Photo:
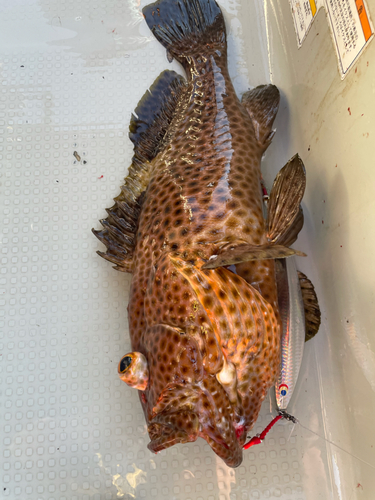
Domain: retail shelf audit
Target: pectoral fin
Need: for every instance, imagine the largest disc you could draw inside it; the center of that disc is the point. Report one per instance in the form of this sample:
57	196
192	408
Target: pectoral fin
245	253
262	104
285	218
290	236
311	306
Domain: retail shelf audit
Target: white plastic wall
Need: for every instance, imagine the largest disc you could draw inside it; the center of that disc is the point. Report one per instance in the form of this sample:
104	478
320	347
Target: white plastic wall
71	73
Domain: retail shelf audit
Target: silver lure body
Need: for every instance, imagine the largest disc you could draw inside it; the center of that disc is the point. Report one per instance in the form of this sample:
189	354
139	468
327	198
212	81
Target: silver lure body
293	330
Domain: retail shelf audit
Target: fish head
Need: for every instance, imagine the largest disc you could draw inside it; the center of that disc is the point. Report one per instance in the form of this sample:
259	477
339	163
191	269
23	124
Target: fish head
183	401
207	345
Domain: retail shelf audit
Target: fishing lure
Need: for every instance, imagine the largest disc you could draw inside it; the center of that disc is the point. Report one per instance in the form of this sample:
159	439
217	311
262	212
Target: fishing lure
294	306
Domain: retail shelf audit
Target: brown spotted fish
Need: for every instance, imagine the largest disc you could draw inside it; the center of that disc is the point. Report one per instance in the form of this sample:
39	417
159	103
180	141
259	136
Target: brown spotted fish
189	226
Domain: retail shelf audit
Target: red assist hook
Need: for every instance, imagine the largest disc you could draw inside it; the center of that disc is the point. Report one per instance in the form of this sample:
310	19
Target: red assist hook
259	437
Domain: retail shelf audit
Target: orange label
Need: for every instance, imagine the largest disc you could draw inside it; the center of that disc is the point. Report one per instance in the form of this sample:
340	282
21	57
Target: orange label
364	19
313	7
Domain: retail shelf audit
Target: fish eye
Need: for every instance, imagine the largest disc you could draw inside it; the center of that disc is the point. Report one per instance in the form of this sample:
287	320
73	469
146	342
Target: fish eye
125	363
133	370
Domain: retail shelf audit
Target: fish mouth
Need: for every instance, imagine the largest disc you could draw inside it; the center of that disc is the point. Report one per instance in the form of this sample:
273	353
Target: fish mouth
168	429
183	427
174	424
229	449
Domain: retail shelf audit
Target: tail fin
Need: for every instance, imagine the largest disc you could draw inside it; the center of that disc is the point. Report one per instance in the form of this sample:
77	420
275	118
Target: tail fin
183	27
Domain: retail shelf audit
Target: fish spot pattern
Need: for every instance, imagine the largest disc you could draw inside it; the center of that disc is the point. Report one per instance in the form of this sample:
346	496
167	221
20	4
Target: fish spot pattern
203	194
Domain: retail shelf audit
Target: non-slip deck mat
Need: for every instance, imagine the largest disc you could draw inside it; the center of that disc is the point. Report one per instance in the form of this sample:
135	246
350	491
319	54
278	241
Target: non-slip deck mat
71	74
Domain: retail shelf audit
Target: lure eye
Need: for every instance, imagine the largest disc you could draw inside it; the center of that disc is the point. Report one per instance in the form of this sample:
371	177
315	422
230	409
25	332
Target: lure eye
133	370
284	389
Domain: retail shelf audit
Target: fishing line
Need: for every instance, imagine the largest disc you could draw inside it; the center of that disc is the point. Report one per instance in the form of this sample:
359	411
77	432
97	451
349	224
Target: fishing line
337	446
258	438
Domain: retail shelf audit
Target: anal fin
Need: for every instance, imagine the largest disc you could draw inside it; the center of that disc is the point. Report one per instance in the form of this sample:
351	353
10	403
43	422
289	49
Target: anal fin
148	131
311	306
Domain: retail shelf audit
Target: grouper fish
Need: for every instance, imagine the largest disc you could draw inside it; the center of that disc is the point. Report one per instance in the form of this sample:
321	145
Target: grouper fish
189	225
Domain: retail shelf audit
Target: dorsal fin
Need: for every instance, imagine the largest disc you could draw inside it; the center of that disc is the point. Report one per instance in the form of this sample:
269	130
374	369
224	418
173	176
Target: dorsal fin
262	104
148	131
311	306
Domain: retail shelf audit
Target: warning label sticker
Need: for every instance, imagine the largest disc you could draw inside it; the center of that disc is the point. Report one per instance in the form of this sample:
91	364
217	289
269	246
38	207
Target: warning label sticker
351	30
349	21
303	12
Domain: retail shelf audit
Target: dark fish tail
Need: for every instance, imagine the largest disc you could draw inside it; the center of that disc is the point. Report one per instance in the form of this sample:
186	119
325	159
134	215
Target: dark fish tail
187	27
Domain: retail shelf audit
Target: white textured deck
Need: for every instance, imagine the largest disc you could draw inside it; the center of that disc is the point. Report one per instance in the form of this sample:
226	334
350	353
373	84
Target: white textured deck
71	73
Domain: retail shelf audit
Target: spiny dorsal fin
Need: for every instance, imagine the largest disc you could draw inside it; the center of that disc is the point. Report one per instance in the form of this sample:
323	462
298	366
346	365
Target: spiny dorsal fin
245	253
285	198
147	131
262	104
311	306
